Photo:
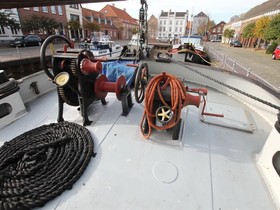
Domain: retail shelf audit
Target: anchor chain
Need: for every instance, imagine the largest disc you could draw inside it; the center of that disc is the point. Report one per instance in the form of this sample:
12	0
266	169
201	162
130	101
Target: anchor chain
228	86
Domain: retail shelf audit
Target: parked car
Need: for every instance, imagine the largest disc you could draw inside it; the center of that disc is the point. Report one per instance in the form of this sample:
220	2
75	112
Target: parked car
235	43
215	40
24	41
276	53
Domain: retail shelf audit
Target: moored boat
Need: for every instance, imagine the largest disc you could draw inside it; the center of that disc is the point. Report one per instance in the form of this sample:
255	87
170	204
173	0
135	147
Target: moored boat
102	45
188	53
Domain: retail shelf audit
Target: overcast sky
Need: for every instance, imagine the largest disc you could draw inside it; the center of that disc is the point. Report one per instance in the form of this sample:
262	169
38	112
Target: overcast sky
217	10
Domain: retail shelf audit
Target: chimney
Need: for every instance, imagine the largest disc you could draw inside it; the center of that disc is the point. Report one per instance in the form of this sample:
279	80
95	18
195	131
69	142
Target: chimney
113	5
124	9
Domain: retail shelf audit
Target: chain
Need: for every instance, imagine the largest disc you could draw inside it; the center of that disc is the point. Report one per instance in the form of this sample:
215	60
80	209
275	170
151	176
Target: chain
143	27
228	86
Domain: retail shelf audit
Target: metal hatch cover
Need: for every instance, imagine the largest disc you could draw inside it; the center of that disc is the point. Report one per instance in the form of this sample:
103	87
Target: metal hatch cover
234	117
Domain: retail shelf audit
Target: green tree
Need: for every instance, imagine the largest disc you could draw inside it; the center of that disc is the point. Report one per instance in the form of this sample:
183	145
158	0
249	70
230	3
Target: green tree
7	21
73	25
134	31
272	31
260	26
229	33
38	24
248	31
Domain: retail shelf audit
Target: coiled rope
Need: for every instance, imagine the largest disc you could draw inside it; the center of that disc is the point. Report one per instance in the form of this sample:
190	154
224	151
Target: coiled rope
178	96
40	164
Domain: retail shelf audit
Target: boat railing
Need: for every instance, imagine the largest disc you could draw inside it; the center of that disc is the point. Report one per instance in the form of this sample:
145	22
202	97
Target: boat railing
228	63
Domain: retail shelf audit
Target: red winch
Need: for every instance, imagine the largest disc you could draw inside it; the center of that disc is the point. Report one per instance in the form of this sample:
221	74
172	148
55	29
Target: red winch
79	79
166	96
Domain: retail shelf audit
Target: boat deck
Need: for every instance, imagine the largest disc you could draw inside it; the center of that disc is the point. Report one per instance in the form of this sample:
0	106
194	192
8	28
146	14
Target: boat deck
211	166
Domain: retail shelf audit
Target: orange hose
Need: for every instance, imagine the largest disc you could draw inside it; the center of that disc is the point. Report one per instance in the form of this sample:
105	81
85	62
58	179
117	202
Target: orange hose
178	97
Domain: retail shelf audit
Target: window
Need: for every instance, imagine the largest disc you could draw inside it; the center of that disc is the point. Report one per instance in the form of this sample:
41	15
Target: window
74	6
53	9
219	29
170	29
177	22
164	22
36	9
170	22
74	17
59	8
45	9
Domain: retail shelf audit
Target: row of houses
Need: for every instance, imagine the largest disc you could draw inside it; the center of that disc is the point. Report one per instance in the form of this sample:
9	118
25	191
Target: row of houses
112	21
120	25
268	8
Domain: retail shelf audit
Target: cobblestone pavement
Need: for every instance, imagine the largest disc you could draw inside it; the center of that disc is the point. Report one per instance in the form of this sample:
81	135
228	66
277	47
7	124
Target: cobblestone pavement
258	61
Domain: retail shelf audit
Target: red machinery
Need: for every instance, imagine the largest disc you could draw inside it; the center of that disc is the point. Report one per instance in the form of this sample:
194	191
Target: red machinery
79	81
165	97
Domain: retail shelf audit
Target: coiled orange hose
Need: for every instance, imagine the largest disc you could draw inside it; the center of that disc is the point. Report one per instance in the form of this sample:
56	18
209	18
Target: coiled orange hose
178	97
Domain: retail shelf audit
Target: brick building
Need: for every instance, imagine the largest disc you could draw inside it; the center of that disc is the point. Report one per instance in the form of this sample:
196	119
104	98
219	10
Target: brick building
57	12
105	23
122	20
216	32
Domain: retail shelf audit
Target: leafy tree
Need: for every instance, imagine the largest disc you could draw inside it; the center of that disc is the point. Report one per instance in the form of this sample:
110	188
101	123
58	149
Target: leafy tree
248	31
134	31
91	26
73	25
211	24
272	31
38	23
7	21
229	33
260	26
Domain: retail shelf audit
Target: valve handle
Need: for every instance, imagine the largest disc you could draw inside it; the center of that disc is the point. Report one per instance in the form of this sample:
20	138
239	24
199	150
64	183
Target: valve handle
164	114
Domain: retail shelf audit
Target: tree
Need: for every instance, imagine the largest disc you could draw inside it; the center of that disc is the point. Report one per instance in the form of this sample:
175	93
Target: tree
73	25
134	31
40	24
260	26
272	31
92	26
211	24
248	31
229	33
202	28
7	21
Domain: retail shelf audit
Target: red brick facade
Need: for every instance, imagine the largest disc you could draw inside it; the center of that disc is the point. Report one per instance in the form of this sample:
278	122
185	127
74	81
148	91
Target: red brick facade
57	12
105	23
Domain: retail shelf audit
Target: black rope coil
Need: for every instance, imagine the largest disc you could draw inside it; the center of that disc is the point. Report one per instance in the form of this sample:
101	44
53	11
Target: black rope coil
40	164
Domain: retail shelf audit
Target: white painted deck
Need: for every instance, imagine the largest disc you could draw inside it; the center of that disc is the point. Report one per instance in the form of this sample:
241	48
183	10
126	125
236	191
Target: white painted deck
210	167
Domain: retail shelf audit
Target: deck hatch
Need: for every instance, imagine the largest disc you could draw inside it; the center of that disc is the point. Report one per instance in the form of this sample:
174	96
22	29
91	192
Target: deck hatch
234	117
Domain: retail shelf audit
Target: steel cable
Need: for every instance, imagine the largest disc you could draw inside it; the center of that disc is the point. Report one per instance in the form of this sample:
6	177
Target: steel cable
40	164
